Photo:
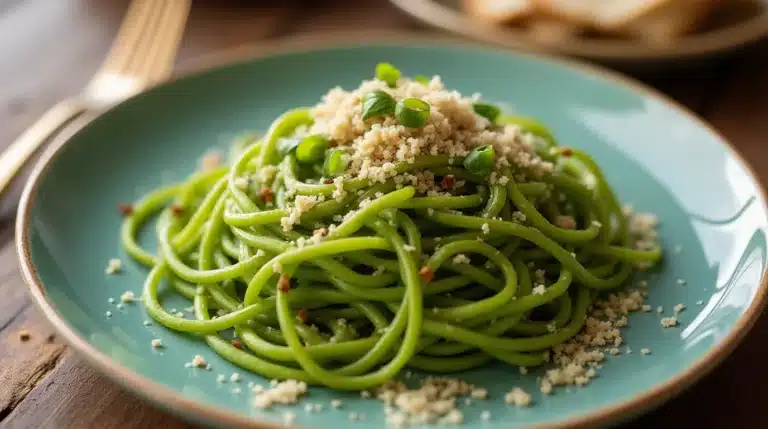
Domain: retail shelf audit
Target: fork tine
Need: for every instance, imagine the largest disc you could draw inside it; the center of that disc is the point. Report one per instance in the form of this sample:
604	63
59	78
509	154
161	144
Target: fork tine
159	61
128	36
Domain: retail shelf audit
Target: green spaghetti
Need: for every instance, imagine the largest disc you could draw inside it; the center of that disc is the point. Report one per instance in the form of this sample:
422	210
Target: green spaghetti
396	226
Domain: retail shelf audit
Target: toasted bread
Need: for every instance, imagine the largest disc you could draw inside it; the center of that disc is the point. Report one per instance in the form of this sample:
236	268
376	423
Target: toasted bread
602	15
499	11
551	30
671	21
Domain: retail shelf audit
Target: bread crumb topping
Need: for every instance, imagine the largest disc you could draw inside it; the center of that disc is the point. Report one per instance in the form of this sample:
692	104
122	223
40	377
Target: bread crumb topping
669	322
114	266
518	397
453	129
198	361
285	392
433	402
128	296
461	259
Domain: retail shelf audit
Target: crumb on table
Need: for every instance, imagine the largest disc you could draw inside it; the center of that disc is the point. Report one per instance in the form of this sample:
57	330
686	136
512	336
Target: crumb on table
24	335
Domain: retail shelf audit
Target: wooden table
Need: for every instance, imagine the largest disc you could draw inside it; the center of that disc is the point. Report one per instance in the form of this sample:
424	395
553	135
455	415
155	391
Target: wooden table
51	47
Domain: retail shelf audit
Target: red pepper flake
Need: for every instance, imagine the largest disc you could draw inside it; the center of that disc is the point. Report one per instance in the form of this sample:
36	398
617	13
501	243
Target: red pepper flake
327	181
284	284
566	151
426	273
125	209
303	315
177	210
266	195
565	222
448	182
237	344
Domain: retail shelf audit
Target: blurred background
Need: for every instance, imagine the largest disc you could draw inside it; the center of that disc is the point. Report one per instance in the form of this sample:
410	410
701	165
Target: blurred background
51	48
709	55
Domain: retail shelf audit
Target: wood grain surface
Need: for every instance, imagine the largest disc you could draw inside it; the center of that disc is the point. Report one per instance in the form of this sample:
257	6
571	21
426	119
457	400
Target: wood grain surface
50	48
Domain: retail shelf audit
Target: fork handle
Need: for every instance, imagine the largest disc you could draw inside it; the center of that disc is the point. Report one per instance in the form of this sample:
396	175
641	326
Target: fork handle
19	152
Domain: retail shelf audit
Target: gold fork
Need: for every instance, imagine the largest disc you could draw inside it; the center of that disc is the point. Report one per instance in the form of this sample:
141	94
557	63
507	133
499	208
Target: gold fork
142	54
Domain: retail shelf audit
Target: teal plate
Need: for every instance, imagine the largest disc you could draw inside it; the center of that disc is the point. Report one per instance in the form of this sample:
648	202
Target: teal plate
656	155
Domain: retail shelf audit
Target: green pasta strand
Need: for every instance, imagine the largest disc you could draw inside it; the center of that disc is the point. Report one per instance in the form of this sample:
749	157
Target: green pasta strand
345	281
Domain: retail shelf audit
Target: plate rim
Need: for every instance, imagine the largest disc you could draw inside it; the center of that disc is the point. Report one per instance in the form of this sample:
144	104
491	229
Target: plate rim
433	13
168	399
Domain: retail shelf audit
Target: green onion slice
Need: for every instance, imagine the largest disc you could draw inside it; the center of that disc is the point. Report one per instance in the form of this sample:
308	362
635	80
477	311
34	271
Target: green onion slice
388	73
480	160
311	149
336	162
486	110
377	103
420	78
412	112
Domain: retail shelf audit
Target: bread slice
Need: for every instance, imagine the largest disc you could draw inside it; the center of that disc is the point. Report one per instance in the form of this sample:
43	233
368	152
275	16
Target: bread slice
670	22
499	11
552	30
603	15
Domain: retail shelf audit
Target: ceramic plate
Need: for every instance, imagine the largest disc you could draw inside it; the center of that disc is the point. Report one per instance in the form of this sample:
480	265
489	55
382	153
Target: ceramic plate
737	23
656	155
